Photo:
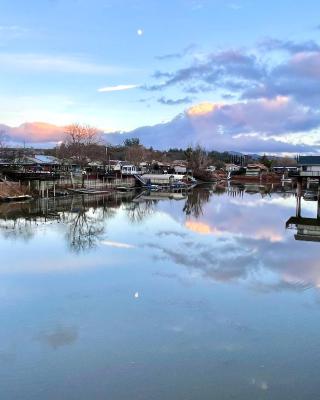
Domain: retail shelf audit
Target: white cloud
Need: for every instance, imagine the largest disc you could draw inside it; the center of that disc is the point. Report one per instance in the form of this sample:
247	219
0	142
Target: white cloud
117	88
118	245
56	63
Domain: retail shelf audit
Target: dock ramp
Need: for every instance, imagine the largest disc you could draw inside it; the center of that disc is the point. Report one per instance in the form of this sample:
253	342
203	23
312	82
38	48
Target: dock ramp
140	179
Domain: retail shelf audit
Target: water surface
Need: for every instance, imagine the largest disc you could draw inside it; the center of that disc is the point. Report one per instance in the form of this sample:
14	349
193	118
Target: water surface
145	297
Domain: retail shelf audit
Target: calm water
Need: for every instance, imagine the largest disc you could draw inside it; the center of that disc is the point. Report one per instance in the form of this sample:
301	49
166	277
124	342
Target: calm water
205	297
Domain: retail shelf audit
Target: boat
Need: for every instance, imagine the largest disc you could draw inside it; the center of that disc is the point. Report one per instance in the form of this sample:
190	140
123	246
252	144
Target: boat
125	188
24	197
88	191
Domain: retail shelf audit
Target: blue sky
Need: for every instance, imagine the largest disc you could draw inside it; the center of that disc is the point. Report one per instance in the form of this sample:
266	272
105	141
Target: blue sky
55	55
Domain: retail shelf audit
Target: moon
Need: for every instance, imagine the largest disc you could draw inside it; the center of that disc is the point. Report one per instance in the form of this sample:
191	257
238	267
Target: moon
139	32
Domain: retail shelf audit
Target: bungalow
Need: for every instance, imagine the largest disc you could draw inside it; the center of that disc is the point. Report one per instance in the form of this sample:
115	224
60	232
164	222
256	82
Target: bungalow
180	169
211	168
129	170
232	167
255	169
38	162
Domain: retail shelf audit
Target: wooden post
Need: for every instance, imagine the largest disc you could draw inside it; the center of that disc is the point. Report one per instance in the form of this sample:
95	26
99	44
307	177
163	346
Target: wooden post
72	181
299	192
318	202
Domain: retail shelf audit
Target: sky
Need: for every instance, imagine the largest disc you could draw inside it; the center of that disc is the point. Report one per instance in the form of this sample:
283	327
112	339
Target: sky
231	75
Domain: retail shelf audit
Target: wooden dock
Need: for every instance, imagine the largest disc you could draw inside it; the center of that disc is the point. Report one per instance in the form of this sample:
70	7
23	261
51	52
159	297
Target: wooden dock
12	191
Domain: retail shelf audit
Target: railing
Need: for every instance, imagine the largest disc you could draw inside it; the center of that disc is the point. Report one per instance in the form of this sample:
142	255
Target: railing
296	174
93	184
310	173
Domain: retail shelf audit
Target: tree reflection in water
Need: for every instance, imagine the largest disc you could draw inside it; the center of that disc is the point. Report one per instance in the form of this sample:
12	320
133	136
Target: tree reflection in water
195	202
19	228
137	211
84	219
86	226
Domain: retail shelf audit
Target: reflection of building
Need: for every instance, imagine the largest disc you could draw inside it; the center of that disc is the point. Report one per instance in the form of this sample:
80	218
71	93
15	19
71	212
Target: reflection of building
308	229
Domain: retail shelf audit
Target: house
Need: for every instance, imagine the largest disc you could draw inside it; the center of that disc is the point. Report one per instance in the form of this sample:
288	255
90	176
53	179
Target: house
255	169
180	169
144	166
115	165
284	169
211	168
129	170
309	166
38	162
232	167
160	167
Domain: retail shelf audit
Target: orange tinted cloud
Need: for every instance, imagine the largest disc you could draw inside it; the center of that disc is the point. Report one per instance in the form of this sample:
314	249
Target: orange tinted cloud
36	132
202	109
200	227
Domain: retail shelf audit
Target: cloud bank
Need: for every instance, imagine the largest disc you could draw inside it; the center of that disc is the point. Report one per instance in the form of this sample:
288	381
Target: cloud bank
271	97
262	125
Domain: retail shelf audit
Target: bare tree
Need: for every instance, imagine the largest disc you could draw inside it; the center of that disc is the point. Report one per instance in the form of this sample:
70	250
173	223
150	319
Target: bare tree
79	140
134	151
2	139
197	158
135	154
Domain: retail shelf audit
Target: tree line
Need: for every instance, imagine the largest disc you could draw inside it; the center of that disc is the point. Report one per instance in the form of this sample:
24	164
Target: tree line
83	143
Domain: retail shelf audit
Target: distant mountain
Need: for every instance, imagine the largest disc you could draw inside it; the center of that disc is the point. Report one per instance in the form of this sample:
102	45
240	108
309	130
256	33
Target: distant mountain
212	126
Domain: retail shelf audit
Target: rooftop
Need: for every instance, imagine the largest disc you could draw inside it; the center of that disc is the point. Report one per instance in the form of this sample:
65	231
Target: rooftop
309	160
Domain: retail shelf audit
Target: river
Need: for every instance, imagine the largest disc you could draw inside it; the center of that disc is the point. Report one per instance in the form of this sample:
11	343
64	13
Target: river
146	296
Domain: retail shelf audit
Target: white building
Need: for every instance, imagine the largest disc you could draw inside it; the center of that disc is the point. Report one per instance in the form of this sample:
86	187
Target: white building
180	169
232	167
129	170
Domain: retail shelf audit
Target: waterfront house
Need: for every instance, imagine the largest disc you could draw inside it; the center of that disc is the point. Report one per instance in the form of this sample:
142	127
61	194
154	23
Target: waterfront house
283	169
211	168
309	166
129	170
255	169
232	167
180	169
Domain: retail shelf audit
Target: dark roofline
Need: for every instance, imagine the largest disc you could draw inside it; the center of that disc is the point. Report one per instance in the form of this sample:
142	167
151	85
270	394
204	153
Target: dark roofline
308	160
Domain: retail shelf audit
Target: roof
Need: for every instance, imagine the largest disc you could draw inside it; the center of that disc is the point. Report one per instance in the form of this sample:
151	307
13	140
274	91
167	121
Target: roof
38	159
46	159
257	166
309	160
232	165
